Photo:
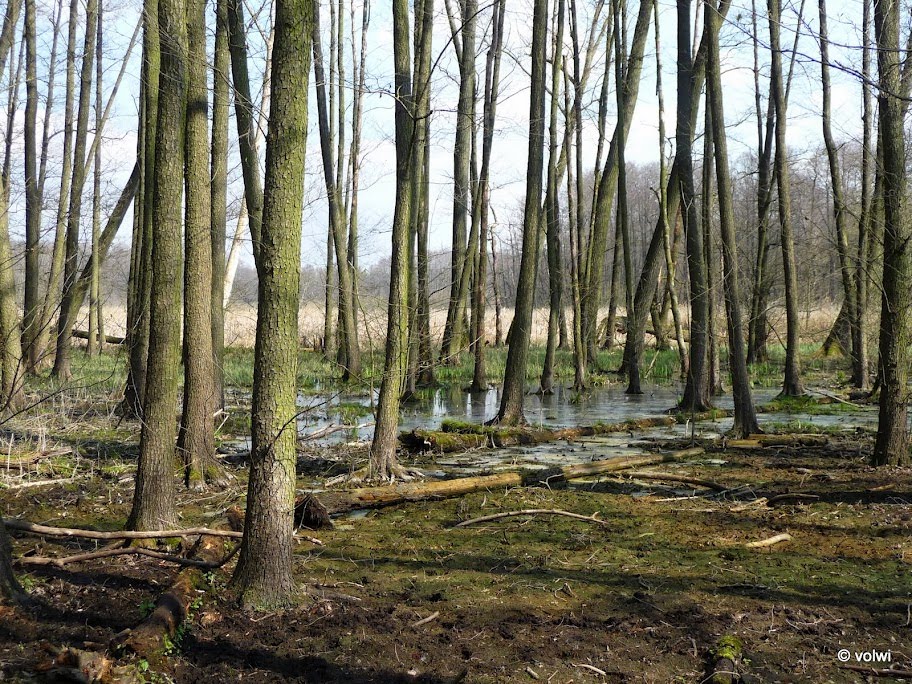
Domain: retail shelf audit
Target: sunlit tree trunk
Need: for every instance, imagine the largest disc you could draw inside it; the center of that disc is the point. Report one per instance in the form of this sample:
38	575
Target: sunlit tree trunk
383	463
219	193
263	576
196	439
33	198
153	498
791	385
514	385
892	444
745	422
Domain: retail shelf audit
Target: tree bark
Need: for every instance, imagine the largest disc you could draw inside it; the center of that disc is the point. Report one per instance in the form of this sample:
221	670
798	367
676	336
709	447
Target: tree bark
196	438
791	386
696	391
892	444
383	464
745	422
153	498
263	577
219	194
514	384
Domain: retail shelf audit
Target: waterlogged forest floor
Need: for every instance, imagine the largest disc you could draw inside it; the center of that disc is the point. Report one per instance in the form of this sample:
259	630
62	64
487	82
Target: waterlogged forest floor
644	597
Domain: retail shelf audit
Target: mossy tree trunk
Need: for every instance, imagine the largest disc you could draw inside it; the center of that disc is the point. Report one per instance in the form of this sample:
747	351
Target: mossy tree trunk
33	198
791	385
453	331
263	576
892	444
51	296
196	442
481	206
349	353
141	261
246	123
153	498
514	384
219	194
745	422
10	332
383	463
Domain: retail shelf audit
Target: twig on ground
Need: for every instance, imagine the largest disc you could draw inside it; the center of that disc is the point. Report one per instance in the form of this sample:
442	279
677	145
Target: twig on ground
772	541
430	618
896	674
45	530
531	511
671	477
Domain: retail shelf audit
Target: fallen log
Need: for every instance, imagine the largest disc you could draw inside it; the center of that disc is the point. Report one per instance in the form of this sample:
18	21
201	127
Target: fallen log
344	500
154	635
109	339
726	656
48	531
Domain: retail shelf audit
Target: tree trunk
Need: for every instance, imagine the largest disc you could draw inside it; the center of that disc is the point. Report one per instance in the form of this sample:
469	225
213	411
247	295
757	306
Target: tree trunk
95	342
10	590
263	576
791	386
33	199
383	464
453	332
246	123
219	195
141	268
153	498
514	384
892	444
552	209
62	369
348	335
696	391
745	422
196	439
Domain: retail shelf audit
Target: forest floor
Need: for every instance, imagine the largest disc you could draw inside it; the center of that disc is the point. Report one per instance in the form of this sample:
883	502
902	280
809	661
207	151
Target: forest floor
645	597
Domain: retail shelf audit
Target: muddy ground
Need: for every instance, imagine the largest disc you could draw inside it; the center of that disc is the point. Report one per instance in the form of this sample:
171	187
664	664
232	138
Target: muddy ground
643	598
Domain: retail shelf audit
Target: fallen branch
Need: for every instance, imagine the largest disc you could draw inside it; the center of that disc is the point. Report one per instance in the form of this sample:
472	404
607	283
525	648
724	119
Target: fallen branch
330	429
48	531
885	672
671	477
23	461
430	618
109	339
339	501
37	483
530	511
779	498
772	541
131	550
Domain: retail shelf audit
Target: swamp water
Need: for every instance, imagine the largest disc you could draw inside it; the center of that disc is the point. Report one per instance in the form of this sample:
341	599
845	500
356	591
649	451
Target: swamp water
564	408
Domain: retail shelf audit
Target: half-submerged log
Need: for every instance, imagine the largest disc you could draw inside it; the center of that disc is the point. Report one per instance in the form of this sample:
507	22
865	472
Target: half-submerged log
376	497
